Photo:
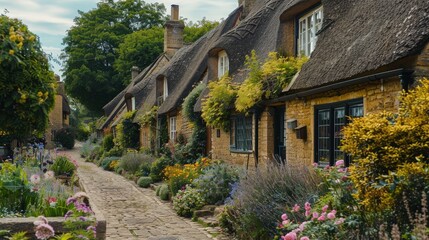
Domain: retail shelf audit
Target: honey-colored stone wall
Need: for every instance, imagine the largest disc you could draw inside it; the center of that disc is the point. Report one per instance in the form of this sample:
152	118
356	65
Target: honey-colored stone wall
183	126
377	96
422	64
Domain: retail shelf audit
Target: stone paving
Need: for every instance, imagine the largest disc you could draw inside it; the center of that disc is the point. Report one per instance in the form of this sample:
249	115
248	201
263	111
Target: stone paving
132	212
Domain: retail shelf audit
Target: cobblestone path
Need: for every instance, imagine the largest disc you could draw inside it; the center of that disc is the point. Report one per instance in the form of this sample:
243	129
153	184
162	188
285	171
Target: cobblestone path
132	212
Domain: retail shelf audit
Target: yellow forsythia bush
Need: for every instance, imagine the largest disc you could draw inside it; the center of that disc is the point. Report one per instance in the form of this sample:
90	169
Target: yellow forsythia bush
384	145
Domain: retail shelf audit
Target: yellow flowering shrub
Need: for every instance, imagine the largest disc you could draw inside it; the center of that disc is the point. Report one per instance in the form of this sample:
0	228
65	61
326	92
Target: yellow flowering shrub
216	108
178	175
386	145
266	81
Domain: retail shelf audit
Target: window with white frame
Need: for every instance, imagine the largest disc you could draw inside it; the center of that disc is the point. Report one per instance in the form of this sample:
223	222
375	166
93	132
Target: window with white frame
173	129
165	89
223	63
133	103
308	26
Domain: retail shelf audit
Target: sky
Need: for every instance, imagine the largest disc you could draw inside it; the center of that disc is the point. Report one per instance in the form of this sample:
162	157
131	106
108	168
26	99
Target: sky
50	19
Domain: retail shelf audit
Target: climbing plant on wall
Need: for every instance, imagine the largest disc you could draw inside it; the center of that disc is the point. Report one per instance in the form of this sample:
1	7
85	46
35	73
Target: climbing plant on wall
127	132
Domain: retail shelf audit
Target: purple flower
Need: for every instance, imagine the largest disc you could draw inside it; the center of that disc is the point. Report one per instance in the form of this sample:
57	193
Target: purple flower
93	229
40	220
83	219
70	200
68	214
44	231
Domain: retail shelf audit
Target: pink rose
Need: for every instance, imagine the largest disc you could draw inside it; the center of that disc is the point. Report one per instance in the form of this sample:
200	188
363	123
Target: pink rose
296	208
307	213
331	215
304	238
307	206
339	163
325	208
284	217
322	217
285	222
315	215
339	221
290	236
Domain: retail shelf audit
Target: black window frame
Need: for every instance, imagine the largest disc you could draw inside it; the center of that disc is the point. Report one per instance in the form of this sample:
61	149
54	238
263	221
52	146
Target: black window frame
331	107
246	145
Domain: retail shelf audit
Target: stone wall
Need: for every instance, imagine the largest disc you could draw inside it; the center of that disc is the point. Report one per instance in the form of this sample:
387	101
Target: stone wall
422	64
377	96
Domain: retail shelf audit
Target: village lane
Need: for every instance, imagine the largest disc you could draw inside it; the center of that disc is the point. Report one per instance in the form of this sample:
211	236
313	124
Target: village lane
132	212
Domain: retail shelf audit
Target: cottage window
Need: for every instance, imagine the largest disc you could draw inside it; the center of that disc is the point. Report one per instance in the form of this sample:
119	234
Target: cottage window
241	134
173	129
223	63
308	26
330	120
133	103
165	89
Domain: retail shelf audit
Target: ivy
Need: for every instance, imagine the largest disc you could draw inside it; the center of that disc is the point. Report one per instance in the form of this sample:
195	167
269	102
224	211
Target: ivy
149	118
216	108
266	81
127	132
189	103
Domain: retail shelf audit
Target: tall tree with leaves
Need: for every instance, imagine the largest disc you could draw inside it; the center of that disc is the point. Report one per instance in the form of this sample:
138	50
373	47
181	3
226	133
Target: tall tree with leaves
91	48
193	31
27	85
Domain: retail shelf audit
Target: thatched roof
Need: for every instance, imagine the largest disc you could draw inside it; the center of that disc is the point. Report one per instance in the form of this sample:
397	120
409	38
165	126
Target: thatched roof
189	64
364	35
258	31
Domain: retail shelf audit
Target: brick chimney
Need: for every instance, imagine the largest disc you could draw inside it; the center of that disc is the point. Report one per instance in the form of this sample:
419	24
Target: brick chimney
247	6
134	72
173	33
60	85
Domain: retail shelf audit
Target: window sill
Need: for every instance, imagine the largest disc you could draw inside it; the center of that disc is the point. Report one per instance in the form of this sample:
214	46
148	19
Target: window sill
240	151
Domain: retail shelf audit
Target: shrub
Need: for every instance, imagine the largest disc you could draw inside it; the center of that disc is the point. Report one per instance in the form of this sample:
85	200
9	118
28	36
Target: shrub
82	133
187	201
157	190
132	161
127	135
215	182
95	153
144	182
63	166
157	166
105	163
108	142
119	170
259	198
65	137
164	192
114	152
179	176
145	168
383	144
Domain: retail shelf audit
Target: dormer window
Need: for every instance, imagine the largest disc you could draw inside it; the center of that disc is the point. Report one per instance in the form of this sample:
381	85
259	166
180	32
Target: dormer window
161	90
308	25
223	64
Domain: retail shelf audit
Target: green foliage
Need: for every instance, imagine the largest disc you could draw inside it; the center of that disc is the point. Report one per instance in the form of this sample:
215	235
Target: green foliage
106	162
139	49
157	166
15	190
384	144
108	143
189	103
127	132
215	182
266	81
149	118
63	167
194	31
144	182
164	192
187	201
216	108
65	137
91	48
132	161
157	189
82	132
27	86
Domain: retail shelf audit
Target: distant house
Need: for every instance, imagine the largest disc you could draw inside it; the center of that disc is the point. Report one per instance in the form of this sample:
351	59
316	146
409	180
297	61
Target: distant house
59	117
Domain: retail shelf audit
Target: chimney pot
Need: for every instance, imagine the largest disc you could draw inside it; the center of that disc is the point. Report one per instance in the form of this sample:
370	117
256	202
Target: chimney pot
134	72
174	12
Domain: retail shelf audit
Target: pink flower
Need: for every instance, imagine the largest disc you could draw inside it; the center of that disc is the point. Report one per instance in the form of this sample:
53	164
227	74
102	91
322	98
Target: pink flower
315	164
315	215
341	170
304	238
331	215
307	206
285	222
296	208
35	179
307	213
339	221
290	236
49	175
325	208
302	226
44	231
339	163
284	217
322	217
40	220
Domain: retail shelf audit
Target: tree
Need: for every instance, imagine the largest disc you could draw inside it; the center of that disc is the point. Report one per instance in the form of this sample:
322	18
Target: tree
139	49
27	85
194	31
91	48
